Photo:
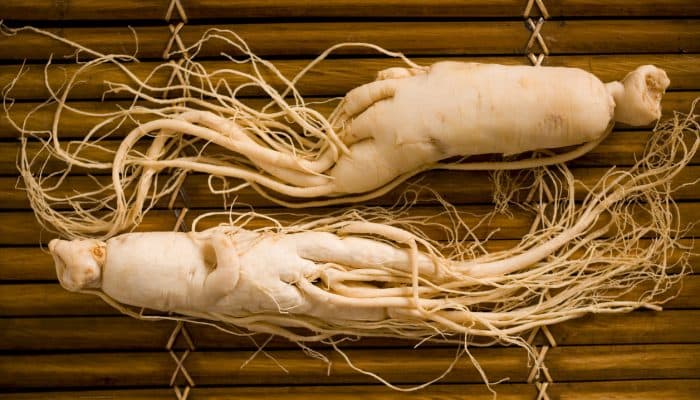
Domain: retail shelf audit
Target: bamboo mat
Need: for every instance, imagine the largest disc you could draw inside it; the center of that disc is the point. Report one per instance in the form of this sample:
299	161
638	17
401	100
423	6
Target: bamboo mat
59	345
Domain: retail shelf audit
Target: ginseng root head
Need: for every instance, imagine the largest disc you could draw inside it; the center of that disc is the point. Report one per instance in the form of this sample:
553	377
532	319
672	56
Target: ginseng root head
78	262
638	96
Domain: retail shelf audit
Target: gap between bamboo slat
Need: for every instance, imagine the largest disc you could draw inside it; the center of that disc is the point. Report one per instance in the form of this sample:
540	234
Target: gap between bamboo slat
411	38
337	76
567	363
130	10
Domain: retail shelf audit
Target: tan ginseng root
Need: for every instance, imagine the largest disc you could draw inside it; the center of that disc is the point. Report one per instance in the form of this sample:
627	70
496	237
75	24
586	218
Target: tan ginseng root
373	273
407	121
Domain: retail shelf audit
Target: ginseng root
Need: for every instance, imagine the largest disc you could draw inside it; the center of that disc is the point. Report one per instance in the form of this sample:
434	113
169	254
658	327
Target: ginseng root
407	121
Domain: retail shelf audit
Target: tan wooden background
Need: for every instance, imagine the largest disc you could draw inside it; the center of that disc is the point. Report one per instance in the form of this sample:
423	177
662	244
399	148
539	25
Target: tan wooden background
55	344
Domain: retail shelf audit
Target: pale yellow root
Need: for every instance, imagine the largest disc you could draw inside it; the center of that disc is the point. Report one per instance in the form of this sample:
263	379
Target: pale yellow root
583	272
285	149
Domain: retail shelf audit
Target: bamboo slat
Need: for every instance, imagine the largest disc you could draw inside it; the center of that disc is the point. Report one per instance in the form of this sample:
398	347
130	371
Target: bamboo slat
677	389
285	39
627	390
411	38
21	228
50	299
107	333
337	76
258	9
73	125
568	363
471	391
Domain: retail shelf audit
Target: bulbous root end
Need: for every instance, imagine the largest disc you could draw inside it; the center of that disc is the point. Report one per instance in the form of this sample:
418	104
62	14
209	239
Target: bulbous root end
638	96
78	263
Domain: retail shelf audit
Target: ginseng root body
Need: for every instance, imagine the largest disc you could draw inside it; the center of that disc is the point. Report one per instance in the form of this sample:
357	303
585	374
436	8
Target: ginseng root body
381	133
238	274
410	119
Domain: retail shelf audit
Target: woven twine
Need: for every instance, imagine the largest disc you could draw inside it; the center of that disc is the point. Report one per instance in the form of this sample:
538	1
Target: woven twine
535	28
180	329
539	373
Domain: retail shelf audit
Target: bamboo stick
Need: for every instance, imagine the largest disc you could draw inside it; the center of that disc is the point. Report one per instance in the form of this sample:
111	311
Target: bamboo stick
567	363
49	299
411	38
284	39
677	389
627	390
506	391
32	334
337	76
288	9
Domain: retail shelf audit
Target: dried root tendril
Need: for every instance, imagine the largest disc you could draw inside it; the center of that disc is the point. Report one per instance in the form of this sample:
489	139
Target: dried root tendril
597	265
